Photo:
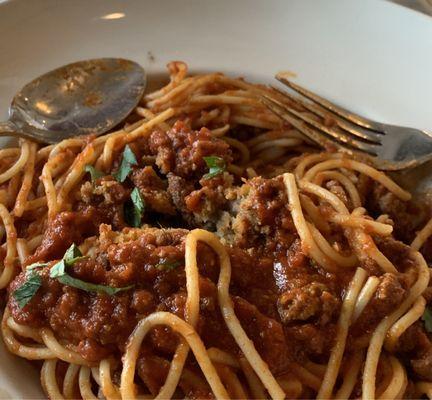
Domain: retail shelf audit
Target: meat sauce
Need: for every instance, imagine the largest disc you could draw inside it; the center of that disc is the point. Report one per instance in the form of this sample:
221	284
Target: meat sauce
287	304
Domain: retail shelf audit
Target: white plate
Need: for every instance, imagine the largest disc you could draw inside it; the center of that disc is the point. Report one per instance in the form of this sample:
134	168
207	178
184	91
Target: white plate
371	56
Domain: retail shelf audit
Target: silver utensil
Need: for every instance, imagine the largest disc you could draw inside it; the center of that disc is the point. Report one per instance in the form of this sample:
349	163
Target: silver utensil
389	147
86	97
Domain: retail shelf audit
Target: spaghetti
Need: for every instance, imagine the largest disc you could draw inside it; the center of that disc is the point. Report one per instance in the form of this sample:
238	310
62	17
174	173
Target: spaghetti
207	250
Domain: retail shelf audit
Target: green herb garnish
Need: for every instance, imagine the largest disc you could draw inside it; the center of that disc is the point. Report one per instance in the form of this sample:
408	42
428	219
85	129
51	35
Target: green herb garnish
94	173
28	289
128	160
427	318
134	210
72	255
216	166
168	265
90	287
36	265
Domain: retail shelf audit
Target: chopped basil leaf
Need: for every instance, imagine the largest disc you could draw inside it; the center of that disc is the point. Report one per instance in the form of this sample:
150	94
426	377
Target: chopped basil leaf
35	265
128	160
71	256
58	269
94	173
91	287
134	210
28	289
427	318
168	265
216	166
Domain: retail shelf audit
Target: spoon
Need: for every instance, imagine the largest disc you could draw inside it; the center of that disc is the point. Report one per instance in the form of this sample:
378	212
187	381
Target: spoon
86	97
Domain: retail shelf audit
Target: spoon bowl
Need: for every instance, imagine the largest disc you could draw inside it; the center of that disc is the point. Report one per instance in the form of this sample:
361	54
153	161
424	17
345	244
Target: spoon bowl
86	97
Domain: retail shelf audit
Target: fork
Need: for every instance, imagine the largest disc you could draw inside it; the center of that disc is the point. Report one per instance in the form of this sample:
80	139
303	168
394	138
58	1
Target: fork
388	147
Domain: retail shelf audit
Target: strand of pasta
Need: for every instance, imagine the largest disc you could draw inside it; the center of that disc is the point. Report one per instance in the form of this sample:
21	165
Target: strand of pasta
351	374
422	236
321	241
183	328
308	244
11	239
19	164
34	352
362	168
109	390
191	316
231	382
344	321
85	384
378	336
347	184
402	324
49	379
69	381
365	296
22	196
232	322
23	330
222	357
397	384
60	351
255	385
366	224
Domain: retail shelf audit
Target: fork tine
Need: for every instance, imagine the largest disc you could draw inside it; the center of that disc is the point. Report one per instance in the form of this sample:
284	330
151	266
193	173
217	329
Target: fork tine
354	118
326	133
312	134
357	131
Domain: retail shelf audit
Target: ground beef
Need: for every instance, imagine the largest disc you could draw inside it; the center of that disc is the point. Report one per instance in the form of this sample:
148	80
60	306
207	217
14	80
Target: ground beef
397	252
311	340
263	217
66	228
181	150
305	293
207	203
313	300
153	370
416	344
153	191
408	216
266	333
389	294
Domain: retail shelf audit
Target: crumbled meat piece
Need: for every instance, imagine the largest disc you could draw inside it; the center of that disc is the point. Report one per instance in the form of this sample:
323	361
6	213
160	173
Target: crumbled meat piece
397	252
178	189
66	228
313	300
408	216
311	339
416	344
207	203
422	366
263	216
388	296
105	190
153	190
266	333
153	371
182	151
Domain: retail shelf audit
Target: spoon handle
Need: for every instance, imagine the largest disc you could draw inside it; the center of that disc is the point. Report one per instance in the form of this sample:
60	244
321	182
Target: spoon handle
8	128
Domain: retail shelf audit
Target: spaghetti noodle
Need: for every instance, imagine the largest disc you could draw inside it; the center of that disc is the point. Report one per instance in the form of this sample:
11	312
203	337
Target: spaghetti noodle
207	250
